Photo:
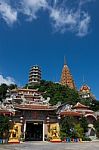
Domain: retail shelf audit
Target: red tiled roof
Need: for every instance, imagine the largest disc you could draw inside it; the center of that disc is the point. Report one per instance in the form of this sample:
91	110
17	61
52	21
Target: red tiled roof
20	89
5	112
70	113
79	105
85	88
34	107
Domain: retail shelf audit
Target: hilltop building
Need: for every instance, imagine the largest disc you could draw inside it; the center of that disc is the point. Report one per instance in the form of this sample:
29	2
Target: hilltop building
66	77
34	75
25	96
85	92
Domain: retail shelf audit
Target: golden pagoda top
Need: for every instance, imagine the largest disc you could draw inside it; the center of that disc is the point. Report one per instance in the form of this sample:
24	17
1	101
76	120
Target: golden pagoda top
66	77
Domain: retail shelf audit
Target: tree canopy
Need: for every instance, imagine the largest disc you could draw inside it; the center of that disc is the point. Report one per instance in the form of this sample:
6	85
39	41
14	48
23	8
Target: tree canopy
4	88
93	104
96	125
73	127
4	126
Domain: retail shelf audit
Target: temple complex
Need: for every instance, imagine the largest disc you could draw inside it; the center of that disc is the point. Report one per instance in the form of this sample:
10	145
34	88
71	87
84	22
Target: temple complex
33	118
39	120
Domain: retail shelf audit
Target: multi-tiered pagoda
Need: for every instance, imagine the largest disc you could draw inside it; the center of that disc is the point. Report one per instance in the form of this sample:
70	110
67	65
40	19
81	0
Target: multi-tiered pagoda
66	77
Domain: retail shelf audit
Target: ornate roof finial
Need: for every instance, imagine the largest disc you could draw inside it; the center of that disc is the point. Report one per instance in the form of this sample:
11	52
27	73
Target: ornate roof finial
64	60
83	79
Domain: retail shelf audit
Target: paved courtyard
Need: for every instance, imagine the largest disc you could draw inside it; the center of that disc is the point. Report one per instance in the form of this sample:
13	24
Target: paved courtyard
51	146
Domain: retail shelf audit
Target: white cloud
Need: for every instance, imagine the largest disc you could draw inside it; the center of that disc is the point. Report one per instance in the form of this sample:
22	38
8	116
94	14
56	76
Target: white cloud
7	80
65	15
7	13
31	7
69	19
84	25
63	20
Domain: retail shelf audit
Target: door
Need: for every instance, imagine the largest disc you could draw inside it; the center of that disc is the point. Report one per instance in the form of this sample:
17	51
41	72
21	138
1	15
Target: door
34	131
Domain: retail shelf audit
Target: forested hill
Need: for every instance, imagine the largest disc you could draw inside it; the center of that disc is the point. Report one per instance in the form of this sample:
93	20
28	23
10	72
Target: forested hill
63	94
57	92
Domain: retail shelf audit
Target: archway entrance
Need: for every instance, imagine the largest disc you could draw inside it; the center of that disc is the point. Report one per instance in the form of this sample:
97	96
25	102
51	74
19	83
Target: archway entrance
34	131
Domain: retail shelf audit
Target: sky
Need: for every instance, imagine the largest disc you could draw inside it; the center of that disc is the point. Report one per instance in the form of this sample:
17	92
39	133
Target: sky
42	32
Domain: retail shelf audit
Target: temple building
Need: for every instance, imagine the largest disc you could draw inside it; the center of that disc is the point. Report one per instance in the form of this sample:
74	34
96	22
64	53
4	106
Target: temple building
34	119
37	120
25	96
34	75
66	77
85	93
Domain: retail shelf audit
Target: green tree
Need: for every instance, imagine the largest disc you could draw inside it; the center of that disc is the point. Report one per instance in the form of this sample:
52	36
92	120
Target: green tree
3	91
93	104
4	126
12	86
96	125
79	130
67	127
4	88
84	124
73	127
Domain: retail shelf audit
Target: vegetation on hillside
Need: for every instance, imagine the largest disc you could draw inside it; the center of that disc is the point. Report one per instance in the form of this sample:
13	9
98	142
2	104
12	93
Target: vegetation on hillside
57	92
63	94
3	90
93	104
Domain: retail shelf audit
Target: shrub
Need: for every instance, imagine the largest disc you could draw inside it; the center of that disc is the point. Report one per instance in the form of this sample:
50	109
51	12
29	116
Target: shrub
86	139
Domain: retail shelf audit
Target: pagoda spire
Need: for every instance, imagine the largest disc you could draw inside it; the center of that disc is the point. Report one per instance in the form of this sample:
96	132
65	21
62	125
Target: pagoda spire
84	82
64	60
66	77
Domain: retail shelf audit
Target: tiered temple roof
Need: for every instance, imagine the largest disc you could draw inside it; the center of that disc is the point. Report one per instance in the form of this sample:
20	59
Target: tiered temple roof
80	106
77	110
34	107
5	112
82	109
70	113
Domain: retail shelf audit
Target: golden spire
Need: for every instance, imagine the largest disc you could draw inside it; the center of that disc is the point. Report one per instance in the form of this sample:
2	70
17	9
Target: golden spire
64	60
66	77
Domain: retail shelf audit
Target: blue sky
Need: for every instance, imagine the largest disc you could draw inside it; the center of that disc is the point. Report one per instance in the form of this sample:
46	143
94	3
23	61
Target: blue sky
42	32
